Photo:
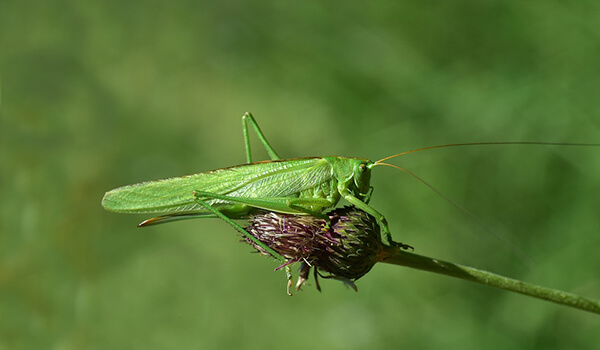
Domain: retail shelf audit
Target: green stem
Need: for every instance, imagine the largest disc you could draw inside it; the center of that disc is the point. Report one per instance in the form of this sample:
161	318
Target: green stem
393	255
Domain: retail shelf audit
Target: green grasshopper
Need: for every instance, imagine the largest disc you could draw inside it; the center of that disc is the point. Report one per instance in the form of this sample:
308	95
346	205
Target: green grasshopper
301	186
304	186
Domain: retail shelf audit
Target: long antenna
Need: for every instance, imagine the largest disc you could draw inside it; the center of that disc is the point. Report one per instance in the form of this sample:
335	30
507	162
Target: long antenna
520	254
489	143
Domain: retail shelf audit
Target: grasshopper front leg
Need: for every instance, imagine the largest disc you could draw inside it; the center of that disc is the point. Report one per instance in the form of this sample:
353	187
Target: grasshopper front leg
377	215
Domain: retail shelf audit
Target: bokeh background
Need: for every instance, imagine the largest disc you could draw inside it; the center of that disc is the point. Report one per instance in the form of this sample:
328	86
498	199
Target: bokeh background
100	94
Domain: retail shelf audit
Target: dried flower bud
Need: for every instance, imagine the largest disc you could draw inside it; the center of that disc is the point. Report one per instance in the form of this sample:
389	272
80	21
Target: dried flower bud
347	249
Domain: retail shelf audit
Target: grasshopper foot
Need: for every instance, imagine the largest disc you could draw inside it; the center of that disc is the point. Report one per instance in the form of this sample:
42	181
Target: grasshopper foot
402	245
399	244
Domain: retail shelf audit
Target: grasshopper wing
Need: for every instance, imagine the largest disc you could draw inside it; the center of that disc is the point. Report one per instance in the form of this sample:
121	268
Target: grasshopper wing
269	179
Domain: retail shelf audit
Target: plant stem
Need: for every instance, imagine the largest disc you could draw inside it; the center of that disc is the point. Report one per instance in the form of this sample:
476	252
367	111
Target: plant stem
394	255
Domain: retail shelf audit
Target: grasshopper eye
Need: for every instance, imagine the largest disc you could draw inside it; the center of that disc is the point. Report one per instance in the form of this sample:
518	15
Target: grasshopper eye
362	167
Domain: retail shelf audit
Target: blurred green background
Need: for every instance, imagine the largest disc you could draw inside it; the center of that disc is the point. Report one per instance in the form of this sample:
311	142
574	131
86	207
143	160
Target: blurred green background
100	94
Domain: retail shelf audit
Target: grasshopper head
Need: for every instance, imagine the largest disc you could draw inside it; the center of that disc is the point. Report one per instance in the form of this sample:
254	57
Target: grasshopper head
353	174
362	177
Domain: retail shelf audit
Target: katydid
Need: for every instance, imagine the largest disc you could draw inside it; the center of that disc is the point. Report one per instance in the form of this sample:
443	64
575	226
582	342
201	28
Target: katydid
301	186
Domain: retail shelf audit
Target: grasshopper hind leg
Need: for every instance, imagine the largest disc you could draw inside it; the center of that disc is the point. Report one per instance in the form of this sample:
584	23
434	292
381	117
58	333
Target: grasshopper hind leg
249	119
241	230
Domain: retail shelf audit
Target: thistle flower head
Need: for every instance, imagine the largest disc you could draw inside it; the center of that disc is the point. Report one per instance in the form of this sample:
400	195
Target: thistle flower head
352	244
346	249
